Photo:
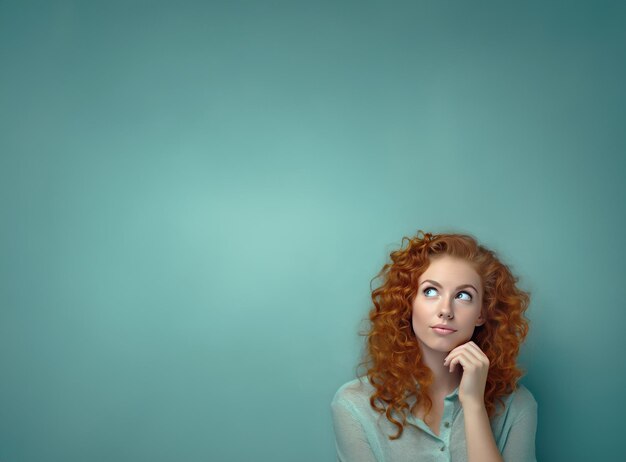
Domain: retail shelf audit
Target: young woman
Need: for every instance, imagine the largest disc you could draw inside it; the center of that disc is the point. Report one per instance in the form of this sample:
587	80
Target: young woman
442	381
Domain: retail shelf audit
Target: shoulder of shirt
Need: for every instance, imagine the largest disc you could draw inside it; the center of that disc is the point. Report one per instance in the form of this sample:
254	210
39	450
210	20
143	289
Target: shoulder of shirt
356	392
521	400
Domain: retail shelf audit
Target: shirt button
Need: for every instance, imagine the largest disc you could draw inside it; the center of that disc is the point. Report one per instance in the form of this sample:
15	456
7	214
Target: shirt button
442	448
446	424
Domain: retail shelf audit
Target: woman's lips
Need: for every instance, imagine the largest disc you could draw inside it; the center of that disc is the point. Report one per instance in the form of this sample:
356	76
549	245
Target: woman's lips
443	331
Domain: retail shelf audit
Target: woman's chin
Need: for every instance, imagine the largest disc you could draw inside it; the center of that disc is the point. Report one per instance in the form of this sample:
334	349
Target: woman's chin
442	346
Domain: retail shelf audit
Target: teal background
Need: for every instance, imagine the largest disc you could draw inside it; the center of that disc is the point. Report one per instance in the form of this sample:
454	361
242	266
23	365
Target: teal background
195	195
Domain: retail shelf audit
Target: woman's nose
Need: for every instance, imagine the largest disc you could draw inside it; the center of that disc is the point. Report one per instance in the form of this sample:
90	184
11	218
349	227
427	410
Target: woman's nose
445	311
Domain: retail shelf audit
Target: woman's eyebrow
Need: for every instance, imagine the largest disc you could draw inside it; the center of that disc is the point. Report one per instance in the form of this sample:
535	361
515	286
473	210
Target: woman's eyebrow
435	283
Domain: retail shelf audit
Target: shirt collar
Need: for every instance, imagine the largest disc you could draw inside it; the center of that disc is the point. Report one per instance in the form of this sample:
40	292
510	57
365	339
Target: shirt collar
454	395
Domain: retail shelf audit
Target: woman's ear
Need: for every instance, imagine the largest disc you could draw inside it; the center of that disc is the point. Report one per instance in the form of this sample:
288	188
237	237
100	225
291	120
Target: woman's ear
481	320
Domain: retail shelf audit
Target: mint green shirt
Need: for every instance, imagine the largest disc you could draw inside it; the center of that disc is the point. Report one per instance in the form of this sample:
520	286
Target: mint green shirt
361	433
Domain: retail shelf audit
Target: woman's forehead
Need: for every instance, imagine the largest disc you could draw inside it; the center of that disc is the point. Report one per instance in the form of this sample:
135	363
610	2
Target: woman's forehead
447	269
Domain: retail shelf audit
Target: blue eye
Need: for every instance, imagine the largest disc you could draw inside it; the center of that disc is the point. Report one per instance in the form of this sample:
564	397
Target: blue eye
468	295
427	289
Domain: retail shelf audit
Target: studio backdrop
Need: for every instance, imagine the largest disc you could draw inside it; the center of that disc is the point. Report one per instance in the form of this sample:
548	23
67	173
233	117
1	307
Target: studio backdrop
194	197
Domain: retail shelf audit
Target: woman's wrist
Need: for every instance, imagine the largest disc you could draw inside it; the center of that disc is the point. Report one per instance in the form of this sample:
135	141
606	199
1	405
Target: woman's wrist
473	406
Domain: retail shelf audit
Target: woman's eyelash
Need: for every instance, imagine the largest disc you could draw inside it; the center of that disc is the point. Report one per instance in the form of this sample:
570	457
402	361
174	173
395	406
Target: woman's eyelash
468	294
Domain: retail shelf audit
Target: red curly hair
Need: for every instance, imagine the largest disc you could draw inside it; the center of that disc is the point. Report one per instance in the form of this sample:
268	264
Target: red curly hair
392	353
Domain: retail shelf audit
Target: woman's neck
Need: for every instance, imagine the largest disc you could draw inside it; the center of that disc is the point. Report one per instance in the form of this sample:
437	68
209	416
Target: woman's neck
444	382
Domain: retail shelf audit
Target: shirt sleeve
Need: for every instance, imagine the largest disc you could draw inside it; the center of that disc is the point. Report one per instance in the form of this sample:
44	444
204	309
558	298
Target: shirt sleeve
520	443
351	440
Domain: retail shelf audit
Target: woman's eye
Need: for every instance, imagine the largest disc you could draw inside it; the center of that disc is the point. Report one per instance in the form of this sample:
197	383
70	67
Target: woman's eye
426	291
469	297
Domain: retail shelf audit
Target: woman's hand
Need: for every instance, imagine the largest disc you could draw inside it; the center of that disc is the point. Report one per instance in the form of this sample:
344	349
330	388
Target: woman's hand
475	369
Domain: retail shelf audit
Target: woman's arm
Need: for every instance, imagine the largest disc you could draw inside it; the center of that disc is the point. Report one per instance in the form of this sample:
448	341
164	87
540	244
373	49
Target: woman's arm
520	442
351	441
481	445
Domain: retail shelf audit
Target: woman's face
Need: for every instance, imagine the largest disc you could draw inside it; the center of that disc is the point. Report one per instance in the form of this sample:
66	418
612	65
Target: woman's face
449	295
